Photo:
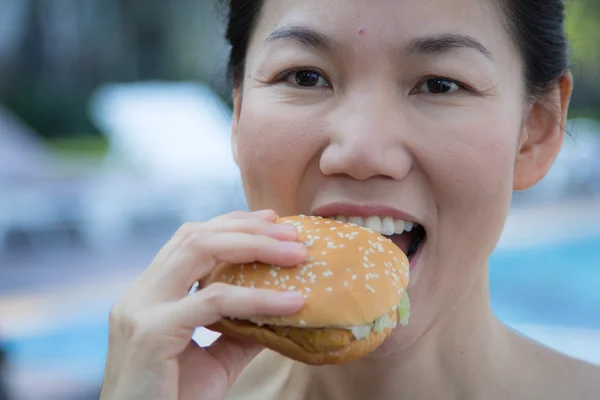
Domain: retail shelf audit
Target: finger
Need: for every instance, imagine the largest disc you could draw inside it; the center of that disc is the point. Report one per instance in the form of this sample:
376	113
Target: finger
214	223
199	255
219	300
228	358
255	226
235	221
233	355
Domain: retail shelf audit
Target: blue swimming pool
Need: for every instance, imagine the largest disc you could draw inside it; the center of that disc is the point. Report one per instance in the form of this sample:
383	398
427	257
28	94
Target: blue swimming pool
555	285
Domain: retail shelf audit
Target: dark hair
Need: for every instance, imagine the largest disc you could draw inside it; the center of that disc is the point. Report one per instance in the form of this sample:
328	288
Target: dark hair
537	27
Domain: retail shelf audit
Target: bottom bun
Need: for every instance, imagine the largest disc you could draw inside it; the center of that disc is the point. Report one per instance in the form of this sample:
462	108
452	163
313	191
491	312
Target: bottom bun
313	346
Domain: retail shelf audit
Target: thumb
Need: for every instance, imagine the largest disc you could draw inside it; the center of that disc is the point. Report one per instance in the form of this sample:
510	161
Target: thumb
234	355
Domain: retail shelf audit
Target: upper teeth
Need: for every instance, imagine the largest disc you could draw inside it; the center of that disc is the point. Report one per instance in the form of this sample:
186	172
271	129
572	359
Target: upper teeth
383	225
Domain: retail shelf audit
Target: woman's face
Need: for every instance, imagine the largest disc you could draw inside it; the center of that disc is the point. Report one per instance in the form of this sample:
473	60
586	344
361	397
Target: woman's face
412	105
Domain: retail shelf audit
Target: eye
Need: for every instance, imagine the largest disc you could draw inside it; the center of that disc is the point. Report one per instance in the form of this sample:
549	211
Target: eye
438	86
306	78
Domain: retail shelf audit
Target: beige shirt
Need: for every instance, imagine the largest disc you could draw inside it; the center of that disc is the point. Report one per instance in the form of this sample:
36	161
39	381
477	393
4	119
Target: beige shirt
270	376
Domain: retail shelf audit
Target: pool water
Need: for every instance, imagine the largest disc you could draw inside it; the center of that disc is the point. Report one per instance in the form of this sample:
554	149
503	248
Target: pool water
553	285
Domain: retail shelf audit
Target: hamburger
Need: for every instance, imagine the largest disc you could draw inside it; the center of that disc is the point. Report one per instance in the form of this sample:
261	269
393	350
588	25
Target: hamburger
354	281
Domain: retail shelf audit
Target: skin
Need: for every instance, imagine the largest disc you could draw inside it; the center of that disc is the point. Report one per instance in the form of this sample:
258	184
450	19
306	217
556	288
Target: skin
369	132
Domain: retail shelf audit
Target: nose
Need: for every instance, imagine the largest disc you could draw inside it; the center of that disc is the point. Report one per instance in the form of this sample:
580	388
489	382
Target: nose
367	139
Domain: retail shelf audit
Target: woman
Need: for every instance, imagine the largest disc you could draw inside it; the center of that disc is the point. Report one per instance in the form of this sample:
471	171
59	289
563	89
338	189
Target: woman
432	111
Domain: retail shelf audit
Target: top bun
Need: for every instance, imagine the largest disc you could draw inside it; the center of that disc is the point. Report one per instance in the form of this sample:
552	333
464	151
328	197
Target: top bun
352	275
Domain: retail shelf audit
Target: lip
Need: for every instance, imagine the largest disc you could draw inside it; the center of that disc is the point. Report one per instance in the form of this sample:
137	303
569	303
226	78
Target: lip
362	210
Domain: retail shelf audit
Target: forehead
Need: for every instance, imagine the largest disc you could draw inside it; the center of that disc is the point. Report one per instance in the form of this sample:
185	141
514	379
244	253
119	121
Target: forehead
393	22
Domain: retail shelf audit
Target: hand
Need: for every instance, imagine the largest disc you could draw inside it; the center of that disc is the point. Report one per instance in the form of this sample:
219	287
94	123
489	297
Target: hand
151	354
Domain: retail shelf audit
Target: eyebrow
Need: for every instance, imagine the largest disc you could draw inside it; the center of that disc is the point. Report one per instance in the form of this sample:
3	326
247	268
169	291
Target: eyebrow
445	43
303	35
425	45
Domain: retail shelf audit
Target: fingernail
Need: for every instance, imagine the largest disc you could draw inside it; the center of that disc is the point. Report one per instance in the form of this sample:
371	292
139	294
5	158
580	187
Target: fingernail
263	212
292	247
286	227
294	297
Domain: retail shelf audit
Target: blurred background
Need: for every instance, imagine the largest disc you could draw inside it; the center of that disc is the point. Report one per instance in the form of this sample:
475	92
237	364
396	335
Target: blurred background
114	130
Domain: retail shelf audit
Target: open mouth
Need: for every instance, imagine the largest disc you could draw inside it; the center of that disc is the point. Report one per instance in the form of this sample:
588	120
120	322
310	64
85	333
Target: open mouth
408	236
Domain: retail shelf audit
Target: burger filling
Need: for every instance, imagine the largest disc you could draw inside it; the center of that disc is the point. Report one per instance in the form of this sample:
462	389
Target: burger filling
326	338
385	321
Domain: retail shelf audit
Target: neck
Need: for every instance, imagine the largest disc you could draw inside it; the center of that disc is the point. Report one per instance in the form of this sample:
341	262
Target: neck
459	357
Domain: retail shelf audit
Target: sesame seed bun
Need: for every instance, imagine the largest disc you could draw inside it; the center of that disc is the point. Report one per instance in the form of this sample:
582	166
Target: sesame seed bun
352	277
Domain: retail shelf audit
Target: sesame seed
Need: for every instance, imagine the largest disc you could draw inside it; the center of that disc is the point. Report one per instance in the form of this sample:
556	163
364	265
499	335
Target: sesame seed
329	289
308	289
324	253
345	284
283	285
276	283
354	277
292	288
267	283
370	288
302	322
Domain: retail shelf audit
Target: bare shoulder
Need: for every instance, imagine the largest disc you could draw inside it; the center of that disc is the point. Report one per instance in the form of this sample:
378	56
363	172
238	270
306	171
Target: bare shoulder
557	376
267	377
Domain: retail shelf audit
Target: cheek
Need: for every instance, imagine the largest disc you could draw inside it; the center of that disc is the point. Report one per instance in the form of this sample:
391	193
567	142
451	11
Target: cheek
275	146
471	171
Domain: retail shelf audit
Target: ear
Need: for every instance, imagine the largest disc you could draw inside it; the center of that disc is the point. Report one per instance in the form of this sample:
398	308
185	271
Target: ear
543	134
237	109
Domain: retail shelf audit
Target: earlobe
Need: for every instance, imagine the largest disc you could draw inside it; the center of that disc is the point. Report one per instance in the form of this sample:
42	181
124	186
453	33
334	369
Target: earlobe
543	133
235	119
